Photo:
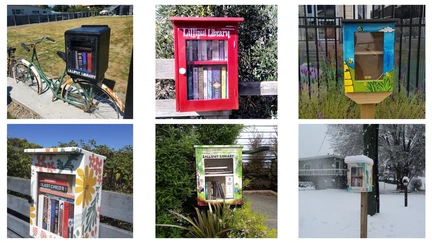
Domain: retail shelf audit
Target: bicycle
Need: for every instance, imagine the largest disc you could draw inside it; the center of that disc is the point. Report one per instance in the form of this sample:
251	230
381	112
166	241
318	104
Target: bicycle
97	99
11	61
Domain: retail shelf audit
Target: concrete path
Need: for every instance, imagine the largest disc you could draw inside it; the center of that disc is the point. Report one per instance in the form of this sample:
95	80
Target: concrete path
43	104
264	202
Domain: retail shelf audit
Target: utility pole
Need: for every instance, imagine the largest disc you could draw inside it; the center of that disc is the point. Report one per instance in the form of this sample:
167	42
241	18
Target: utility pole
370	140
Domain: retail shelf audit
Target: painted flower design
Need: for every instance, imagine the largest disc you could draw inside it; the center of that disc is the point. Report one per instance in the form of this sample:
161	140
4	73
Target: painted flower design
387	74
43	234
35	231
32	214
50	167
85	186
96	164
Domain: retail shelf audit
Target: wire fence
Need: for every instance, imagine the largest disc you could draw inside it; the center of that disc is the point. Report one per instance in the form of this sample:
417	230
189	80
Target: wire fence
321	42
23	19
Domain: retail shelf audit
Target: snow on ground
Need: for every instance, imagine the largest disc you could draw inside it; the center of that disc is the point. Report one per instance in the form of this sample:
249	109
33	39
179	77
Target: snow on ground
335	213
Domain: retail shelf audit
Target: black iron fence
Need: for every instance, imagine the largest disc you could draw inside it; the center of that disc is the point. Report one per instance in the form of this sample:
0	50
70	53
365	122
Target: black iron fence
22	19
320	42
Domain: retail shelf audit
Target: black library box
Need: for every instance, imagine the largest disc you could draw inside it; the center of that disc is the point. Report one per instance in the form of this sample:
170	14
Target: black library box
87	50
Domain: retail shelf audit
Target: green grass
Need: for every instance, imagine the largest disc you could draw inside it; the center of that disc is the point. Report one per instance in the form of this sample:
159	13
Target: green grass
121	42
333	104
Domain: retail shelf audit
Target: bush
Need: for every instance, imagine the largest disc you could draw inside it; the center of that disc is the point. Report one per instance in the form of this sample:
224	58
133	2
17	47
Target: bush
415	184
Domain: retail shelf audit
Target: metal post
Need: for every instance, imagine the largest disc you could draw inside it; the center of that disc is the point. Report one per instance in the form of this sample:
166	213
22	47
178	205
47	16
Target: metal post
406	195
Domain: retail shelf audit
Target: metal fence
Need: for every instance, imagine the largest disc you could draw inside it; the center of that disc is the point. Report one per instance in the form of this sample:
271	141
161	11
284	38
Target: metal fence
22	19
320	42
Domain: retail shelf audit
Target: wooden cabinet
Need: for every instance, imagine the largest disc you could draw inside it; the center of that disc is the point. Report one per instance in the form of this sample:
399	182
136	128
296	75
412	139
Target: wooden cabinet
206	63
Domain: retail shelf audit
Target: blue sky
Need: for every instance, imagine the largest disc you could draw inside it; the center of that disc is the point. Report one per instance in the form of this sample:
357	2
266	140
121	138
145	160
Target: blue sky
115	136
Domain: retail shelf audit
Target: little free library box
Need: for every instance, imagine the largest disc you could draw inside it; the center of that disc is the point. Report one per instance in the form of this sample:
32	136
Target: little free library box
66	187
206	63
219	174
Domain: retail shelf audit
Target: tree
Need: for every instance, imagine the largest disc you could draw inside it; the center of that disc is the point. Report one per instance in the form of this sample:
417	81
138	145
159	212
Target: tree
18	162
60	8
257	49
401	147
175	167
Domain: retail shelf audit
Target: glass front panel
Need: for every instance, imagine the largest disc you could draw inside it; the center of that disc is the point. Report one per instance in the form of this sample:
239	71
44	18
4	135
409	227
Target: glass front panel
207	74
368	51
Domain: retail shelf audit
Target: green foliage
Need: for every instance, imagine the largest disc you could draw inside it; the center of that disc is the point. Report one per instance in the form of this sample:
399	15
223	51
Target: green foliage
18	162
257	49
244	223
211	223
175	167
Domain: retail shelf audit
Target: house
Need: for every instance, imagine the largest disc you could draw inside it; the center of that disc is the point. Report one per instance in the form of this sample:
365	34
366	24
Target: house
326	171
26	9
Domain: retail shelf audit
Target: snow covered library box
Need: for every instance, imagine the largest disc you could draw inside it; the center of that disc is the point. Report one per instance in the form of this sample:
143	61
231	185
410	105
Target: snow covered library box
219	174
359	173
66	187
206	63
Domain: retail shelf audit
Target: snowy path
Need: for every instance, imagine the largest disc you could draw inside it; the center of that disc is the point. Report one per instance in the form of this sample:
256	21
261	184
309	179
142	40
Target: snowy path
336	214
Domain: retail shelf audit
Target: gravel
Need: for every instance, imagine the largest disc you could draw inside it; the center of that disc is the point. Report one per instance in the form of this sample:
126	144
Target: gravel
20	112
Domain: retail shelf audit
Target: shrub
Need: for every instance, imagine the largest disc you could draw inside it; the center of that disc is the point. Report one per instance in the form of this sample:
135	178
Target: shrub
415	184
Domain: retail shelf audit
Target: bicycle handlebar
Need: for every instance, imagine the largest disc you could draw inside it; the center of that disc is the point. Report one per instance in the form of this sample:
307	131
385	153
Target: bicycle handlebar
24	46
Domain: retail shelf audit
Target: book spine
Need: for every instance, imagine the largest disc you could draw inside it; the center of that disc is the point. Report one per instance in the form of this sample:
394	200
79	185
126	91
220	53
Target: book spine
55	182
226	50
224	82
209	83
194	50
71	220
45	213
190	84
52	215
215	50
205	84
76	59
216	83
206	190
66	207
199	50
221	50
89	61
187	50
203	50
195	83
84	66
56	214
209	50
40	209
80	60
60	218
201	83
53	187
221	192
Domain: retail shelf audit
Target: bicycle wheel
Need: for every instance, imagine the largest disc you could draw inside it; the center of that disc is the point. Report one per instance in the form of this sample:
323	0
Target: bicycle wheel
92	99
22	73
10	66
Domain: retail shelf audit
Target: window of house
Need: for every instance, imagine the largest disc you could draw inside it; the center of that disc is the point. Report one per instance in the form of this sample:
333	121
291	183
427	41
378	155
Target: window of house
35	12
17	11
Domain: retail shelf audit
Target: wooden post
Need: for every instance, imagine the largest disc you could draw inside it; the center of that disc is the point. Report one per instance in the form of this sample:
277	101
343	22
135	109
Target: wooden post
367	111
363	214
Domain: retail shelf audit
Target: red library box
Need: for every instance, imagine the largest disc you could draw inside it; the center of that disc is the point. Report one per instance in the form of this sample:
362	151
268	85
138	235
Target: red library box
206	63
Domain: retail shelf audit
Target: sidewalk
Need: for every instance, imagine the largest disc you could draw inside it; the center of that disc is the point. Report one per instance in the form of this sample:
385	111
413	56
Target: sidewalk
43	104
265	202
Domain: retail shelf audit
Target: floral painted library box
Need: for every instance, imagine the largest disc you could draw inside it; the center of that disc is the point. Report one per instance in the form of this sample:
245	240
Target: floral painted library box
66	187
359	175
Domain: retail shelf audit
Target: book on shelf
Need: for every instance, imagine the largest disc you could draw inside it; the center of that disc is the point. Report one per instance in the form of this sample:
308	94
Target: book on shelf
206	190
221	192
209	83
221	50
203	44
45	213
215	50
216	82
194	50
209	49
195	83
56	193
60	218
71	220
89	61
190	83
205	95
225	50
201	83
224	82
199	51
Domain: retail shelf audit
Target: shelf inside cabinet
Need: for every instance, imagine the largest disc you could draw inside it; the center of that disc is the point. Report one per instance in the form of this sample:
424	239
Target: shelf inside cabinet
210	62
57	193
369	53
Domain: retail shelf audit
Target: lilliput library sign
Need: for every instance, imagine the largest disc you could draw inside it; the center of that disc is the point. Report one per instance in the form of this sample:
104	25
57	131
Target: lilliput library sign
203	32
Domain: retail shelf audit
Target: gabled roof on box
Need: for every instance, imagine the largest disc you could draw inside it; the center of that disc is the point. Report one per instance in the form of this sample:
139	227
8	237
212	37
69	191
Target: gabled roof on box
358	159
65	150
176	20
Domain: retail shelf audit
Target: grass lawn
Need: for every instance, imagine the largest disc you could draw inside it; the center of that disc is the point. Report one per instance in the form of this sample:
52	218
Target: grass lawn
121	43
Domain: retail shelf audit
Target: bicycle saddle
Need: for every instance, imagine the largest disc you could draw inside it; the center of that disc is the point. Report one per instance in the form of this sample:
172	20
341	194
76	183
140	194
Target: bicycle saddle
11	49
62	55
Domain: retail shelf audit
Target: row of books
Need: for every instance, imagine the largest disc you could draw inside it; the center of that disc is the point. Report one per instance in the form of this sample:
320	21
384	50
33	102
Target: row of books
206	50
82	60
207	82
357	171
214	190
56	215
357	182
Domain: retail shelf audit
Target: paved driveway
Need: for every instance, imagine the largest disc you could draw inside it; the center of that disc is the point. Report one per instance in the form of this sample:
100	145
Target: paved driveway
264	202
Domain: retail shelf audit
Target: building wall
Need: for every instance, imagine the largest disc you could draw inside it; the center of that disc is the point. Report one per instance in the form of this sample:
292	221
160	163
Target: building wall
327	163
26	9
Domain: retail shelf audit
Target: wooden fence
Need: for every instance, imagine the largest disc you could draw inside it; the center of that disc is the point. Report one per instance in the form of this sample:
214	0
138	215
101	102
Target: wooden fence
114	205
22	19
167	108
